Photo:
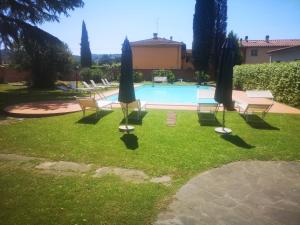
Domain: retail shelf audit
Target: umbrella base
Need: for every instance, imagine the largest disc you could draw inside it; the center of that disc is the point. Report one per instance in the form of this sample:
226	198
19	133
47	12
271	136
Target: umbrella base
124	128
223	130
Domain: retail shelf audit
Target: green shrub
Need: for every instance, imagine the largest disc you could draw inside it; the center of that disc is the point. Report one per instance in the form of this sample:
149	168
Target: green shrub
138	77
86	74
164	73
282	79
201	76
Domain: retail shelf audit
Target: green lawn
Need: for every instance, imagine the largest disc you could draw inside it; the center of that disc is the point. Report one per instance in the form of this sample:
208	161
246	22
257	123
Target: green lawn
181	152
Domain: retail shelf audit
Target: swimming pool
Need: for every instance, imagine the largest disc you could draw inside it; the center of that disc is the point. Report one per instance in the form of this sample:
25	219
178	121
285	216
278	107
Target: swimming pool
167	94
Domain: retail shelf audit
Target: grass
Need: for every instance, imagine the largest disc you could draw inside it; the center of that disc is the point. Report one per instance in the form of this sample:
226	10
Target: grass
181	152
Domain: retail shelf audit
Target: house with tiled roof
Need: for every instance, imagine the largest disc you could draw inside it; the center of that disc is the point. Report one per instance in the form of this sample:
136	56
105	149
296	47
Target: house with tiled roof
258	51
158	53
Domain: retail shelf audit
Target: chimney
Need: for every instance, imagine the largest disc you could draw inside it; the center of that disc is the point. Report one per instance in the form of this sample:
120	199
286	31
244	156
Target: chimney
267	38
171	38
154	35
246	38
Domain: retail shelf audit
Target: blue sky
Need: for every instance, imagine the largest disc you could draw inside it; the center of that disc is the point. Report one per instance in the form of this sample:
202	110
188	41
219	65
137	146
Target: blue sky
109	21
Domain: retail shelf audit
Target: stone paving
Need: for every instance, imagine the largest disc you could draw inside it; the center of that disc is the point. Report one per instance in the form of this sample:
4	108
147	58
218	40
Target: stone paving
64	168
240	193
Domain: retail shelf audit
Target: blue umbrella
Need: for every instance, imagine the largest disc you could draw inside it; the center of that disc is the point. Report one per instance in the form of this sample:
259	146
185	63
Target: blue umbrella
223	94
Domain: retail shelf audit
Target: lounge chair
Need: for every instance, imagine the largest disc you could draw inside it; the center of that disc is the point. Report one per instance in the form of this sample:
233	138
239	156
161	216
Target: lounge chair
85	89
94	90
137	105
109	83
257	102
88	103
207	104
94	85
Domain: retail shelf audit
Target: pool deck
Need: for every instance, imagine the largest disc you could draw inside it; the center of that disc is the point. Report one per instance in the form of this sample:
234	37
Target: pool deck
54	108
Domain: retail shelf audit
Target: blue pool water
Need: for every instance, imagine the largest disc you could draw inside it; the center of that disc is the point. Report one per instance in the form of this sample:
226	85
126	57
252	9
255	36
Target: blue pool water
168	94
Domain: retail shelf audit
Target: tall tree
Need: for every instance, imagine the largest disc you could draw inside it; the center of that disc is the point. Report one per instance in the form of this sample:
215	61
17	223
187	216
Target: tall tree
18	20
85	51
203	27
219	35
238	58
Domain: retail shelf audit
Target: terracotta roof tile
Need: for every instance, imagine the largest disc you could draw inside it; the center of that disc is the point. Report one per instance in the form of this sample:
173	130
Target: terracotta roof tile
271	43
155	41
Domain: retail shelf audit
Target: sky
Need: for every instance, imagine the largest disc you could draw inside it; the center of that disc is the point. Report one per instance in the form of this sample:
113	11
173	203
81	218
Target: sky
110	21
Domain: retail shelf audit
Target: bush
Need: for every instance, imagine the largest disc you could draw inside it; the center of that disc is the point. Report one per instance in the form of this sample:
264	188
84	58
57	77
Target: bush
138	77
164	73
282	79
201	76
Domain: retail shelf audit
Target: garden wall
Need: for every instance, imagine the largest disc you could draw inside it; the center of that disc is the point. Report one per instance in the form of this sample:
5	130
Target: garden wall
282	79
12	75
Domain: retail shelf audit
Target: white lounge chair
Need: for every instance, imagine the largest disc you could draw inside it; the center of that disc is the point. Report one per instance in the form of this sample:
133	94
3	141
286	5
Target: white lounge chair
109	83
97	86
258	102
207	104
137	105
85	89
92	103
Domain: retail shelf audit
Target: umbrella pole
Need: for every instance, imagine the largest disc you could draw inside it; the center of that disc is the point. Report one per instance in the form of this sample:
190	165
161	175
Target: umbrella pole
223	129
223	124
126	116
126	128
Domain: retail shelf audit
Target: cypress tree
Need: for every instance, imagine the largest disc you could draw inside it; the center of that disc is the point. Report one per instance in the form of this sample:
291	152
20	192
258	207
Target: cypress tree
203	27
219	34
85	51
238	59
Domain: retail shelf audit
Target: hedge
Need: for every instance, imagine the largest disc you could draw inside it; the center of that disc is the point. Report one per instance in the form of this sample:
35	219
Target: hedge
282	79
164	73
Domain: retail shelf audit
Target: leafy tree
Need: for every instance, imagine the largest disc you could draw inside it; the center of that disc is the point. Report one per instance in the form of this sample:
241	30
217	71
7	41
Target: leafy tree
18	20
85	51
203	27
237	55
219	34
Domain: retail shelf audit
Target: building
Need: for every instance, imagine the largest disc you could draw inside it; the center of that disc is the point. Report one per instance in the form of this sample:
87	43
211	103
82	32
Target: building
161	53
287	54
257	51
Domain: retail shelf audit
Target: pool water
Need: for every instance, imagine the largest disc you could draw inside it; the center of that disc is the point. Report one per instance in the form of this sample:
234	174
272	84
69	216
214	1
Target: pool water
168	94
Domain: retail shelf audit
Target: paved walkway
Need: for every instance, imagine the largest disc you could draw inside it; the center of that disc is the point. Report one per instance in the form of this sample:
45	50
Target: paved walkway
240	193
50	108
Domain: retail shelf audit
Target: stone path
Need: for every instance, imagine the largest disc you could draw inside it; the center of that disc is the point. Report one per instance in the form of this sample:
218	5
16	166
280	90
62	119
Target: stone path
171	119
64	168
240	193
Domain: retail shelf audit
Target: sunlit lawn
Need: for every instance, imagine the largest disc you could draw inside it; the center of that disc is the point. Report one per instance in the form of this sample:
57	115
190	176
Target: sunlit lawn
180	152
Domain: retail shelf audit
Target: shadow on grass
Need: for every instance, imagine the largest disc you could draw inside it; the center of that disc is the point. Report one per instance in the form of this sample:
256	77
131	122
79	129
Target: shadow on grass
258	123
236	140
131	141
205	119
133	118
93	118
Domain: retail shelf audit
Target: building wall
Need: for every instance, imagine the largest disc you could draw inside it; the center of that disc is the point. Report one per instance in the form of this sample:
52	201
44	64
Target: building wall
262	56
156	57
286	56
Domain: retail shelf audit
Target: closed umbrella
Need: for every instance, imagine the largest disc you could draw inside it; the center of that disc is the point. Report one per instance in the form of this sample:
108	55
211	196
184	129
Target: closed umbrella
126	88
223	94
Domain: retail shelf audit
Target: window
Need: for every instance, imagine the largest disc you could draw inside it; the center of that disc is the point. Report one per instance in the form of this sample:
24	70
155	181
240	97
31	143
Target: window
253	52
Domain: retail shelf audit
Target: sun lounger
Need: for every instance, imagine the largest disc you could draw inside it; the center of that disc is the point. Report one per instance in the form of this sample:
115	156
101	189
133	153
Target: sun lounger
92	103
109	83
137	105
207	104
160	79
257	102
94	85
